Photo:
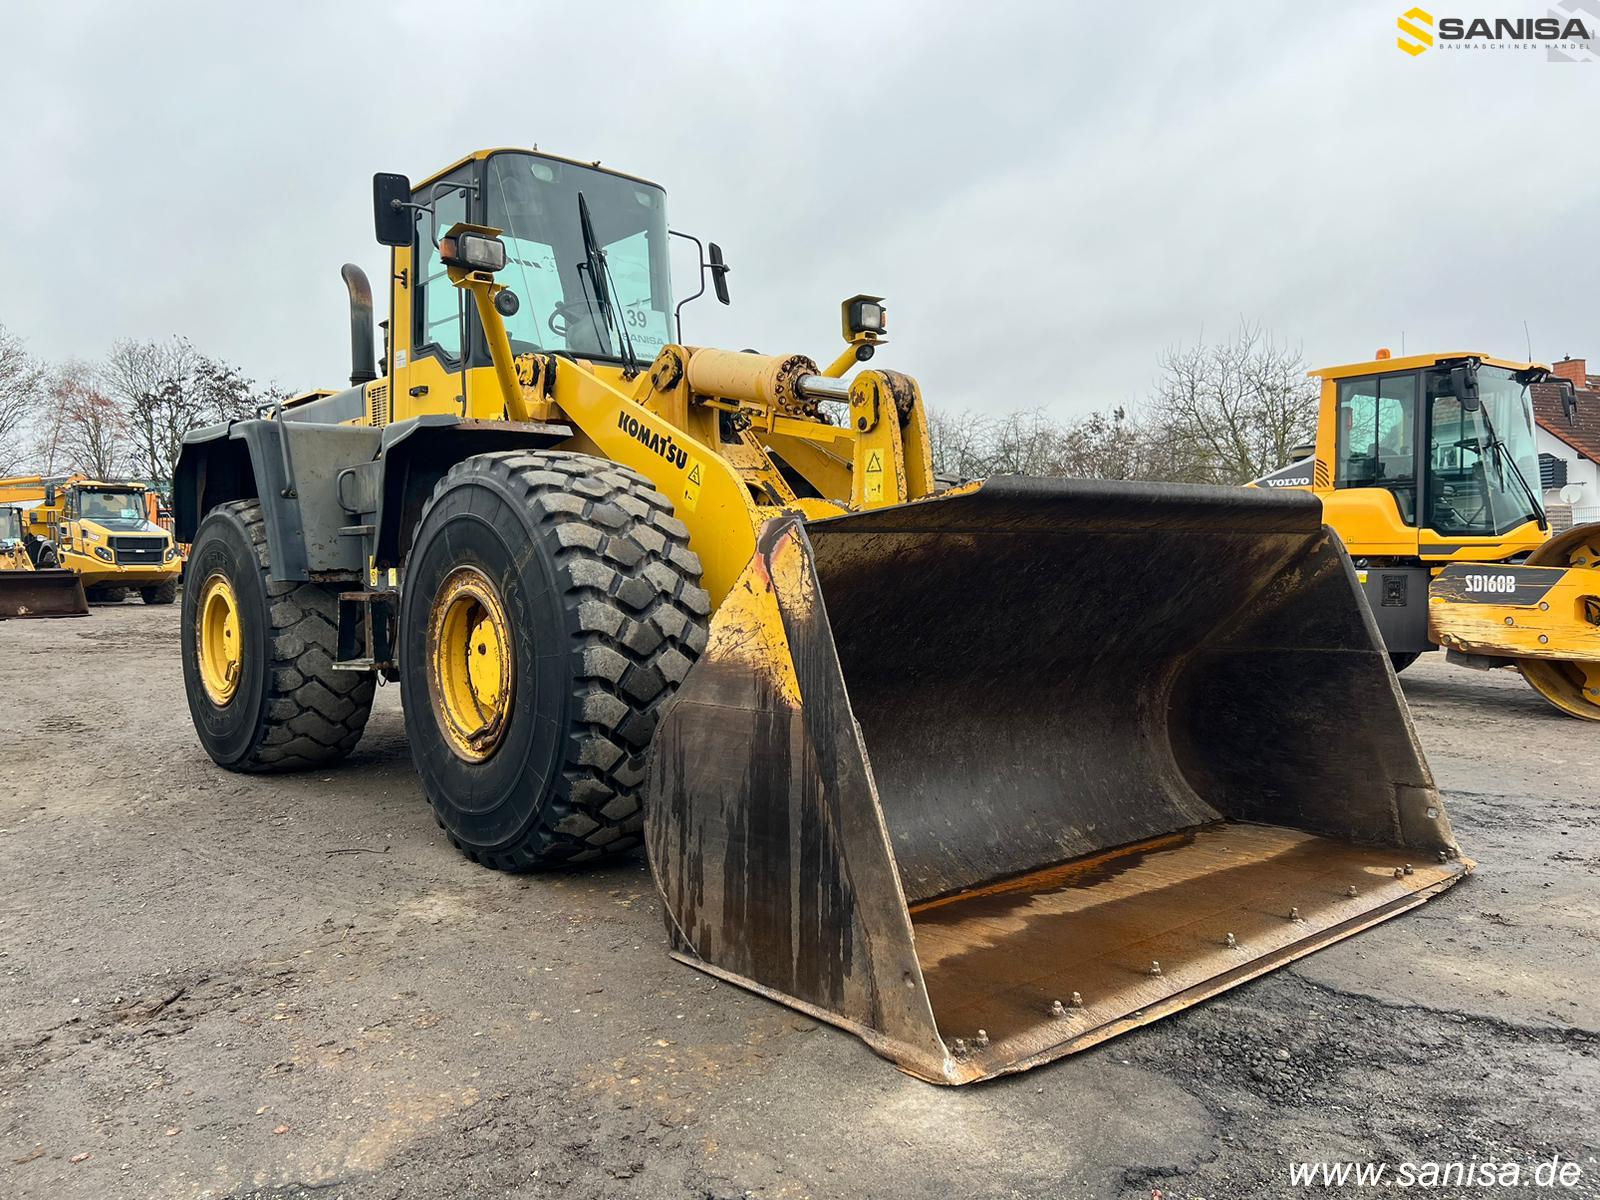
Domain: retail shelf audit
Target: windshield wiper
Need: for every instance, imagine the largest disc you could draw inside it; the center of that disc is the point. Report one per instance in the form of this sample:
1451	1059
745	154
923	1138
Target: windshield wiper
1503	453
599	272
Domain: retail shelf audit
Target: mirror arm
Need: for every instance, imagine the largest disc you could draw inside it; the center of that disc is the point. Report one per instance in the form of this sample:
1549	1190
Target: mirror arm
700	254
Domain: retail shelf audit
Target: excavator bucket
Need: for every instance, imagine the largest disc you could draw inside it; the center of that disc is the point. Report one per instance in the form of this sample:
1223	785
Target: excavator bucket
46	593
989	778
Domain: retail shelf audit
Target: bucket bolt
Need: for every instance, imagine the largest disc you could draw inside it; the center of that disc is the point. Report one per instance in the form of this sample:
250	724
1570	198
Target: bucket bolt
1409	869
982	1039
1077	1000
1444	856
1057	1009
1399	872
1155	968
1231	941
1350	891
1294	914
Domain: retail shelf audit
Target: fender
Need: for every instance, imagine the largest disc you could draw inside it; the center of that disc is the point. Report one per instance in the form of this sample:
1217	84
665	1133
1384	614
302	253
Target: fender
323	488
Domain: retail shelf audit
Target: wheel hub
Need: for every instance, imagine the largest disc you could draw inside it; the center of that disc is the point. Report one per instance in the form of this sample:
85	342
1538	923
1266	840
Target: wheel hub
221	648
471	673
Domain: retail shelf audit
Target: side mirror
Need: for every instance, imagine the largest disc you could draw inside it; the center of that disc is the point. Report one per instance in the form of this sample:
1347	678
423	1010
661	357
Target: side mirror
719	272
391	209
1464	386
49	495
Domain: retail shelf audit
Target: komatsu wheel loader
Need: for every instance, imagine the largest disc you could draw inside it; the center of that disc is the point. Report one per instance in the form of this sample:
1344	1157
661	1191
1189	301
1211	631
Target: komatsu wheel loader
101	531
1427	468
27	590
985	775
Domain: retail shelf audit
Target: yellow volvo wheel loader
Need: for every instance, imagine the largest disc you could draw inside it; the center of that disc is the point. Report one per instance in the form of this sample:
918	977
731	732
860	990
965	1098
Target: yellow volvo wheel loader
1427	468
984	775
28	590
102	532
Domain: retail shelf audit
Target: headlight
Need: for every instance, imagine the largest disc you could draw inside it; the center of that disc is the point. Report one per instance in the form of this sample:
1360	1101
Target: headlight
172	553
102	552
474	251
864	314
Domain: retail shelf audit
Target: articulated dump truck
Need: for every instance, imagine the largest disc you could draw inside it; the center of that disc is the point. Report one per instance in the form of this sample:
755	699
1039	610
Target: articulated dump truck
984	775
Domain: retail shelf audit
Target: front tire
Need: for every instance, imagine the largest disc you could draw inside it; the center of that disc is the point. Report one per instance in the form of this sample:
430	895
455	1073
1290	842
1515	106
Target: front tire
551	605
258	656
164	592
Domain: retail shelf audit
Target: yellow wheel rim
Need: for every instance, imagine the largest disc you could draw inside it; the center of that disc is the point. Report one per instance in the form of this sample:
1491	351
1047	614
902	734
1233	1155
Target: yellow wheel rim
471	674
1573	686
221	649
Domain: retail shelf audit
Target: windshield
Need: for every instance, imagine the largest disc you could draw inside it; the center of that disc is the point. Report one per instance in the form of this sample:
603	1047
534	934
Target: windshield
1473	486
534	201
10	525
111	506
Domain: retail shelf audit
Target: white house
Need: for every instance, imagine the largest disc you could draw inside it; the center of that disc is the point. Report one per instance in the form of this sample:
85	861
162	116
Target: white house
1567	431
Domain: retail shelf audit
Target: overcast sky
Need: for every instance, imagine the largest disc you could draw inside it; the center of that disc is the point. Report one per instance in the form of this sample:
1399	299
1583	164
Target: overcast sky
1048	194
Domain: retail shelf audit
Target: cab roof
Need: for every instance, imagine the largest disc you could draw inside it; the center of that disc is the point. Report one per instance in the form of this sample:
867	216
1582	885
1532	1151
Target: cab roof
477	155
1414	362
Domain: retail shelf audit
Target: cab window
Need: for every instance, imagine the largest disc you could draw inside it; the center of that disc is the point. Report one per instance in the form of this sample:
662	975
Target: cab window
438	308
1377	438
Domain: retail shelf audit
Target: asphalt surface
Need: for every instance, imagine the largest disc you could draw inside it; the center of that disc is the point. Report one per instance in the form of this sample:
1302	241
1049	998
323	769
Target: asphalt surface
223	986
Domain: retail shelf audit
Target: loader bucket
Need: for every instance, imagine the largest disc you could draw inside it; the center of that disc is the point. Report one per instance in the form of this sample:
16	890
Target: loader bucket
46	593
991	777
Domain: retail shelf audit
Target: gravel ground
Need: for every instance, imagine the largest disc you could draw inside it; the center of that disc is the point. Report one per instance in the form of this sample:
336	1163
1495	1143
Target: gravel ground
225	986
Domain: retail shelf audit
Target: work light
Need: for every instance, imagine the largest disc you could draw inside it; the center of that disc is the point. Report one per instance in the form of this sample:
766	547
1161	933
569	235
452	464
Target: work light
474	251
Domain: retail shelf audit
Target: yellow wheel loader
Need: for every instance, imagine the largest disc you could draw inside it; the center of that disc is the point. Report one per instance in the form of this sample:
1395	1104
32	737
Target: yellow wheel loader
1427	468
102	532
984	775
29	590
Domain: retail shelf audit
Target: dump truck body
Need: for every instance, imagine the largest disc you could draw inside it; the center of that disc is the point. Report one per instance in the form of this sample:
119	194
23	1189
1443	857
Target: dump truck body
922	761
1427	468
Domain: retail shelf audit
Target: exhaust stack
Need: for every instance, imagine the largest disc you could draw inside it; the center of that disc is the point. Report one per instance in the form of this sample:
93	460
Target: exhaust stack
362	369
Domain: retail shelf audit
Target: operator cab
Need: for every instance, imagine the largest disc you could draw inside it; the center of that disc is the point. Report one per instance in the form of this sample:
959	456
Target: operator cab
1450	439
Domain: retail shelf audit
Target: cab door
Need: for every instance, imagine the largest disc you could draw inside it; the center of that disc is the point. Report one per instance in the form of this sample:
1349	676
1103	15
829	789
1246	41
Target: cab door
430	324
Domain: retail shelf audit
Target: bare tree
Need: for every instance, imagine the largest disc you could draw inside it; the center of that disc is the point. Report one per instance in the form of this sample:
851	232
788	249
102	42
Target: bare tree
149	381
1115	444
90	434
21	394
1231	411
166	389
959	441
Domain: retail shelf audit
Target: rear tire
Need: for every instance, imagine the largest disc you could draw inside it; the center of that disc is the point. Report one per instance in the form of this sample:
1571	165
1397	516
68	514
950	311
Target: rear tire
289	709
1402	661
592	601
162	593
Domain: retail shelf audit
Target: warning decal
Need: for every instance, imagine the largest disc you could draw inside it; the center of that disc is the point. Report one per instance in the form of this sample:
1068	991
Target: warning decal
874	480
